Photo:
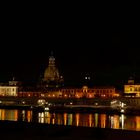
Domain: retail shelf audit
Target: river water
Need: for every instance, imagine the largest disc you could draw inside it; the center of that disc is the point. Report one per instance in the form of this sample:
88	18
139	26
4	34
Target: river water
76	119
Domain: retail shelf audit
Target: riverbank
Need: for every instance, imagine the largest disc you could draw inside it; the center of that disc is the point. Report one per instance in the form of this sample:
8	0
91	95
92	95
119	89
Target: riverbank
36	131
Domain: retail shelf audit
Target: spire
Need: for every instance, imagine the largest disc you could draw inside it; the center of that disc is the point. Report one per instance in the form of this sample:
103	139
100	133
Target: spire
52	53
51	60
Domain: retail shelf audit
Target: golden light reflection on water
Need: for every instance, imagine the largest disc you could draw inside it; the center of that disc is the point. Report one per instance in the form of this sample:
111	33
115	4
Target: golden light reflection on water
90	120
103	122
70	119
11	115
77	119
41	117
138	122
122	118
47	117
96	119
29	116
53	118
65	118
115	122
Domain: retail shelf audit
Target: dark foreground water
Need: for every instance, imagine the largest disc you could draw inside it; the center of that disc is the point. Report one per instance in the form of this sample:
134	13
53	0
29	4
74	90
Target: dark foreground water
114	121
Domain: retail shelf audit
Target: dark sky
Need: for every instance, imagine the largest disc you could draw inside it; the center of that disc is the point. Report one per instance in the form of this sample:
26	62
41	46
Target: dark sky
80	46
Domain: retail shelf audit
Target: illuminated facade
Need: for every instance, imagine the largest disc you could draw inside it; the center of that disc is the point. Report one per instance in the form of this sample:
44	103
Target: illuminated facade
30	94
131	89
95	92
14	88
52	77
8	91
90	92
101	92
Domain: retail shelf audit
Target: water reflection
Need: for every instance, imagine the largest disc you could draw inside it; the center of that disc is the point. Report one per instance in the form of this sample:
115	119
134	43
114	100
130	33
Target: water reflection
114	121
10	115
103	122
24	115
69	119
122	117
96	119
77	119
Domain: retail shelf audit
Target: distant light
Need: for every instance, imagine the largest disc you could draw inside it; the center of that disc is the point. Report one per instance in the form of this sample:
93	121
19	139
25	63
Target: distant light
23	102
49	104
42	95
77	96
46	108
122	110
87	77
90	95
41	101
96	103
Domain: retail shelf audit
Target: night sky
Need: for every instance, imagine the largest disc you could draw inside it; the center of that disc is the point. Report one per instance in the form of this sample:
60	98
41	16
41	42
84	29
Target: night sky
80	48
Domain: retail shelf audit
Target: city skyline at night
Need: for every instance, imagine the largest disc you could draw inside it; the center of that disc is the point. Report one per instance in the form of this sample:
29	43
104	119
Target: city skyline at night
68	72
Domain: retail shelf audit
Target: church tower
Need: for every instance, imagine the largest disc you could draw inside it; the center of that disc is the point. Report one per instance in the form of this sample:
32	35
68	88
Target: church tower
52	78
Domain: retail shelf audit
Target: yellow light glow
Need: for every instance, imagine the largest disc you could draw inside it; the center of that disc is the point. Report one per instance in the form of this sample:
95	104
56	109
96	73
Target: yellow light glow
103	120
90	120
96	120
65	118
29	116
138	122
77	119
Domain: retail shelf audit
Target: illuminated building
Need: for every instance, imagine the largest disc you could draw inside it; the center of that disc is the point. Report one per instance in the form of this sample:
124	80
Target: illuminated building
95	92
15	82
10	89
30	92
103	92
52	78
16	89
131	89
13	89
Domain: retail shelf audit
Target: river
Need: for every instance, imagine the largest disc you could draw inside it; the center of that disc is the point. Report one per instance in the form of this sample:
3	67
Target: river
113	121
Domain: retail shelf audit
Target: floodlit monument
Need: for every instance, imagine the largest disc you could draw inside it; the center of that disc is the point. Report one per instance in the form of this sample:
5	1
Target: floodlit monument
52	78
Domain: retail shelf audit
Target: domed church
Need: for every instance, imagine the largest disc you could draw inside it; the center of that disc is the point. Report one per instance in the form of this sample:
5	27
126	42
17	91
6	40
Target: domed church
52	78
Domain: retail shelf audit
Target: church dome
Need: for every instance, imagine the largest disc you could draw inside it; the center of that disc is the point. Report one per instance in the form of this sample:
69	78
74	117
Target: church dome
51	73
